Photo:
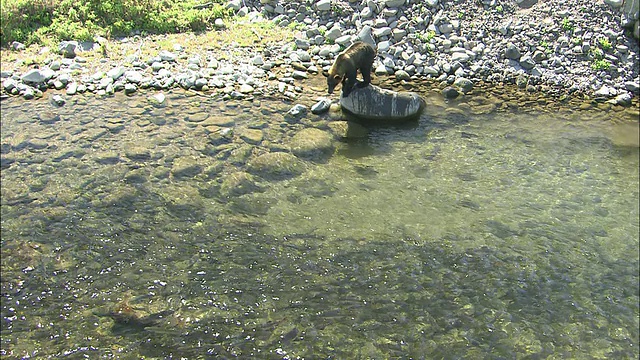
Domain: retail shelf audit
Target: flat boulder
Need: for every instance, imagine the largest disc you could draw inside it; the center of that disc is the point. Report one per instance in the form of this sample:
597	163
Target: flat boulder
375	103
276	165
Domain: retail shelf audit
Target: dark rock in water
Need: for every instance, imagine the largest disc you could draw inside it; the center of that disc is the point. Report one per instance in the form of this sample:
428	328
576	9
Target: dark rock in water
375	103
450	92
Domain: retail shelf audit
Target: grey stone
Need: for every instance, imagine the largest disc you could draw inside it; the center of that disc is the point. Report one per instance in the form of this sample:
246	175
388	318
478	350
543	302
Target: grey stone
366	35
17	46
321	106
632	86
166	55
375	103
450	92
512	52
133	76
460	56
402	75
527	62
130	88
393	3
333	33
323	5
463	84
68	49
34	76
57	100
297	110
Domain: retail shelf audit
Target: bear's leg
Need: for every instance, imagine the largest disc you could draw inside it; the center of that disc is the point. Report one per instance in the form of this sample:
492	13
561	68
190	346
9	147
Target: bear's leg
349	83
366	75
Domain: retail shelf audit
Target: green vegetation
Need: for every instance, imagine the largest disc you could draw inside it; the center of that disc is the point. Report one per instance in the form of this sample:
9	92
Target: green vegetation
599	62
427	36
604	44
567	25
499	8
546	46
34	21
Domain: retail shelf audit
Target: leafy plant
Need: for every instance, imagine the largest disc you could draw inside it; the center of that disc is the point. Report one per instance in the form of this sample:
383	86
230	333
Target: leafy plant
546	46
567	25
601	64
499	8
426	37
604	44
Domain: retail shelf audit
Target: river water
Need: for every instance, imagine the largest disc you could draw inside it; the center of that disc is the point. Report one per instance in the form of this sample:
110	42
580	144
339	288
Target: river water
137	230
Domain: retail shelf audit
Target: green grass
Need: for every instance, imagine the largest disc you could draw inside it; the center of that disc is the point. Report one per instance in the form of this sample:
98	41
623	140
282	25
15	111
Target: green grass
38	21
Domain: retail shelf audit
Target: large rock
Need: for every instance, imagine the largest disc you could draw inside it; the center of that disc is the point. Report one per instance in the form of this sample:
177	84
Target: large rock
276	165
375	103
312	143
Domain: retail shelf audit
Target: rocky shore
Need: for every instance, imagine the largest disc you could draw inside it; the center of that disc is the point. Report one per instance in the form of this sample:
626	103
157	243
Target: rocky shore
581	47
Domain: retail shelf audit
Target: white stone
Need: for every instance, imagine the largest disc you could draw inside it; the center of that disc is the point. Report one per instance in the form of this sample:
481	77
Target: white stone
323	5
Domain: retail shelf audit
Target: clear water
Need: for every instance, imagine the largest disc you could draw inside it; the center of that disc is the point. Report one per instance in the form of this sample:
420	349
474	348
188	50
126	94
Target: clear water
504	235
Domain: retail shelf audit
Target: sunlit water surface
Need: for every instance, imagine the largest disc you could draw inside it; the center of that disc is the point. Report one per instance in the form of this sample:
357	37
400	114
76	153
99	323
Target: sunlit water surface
510	235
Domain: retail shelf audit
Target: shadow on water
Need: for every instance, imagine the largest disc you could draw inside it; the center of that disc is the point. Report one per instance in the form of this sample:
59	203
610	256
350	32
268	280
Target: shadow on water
145	231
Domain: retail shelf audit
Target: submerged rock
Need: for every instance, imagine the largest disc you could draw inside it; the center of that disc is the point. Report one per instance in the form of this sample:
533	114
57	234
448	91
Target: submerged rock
375	103
312	143
276	165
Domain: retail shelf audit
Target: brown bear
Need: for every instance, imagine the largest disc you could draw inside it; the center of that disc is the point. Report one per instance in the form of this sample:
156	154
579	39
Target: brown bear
358	56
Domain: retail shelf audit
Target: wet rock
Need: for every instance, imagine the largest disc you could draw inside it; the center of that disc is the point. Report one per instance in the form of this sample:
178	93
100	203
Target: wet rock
375	103
57	100
297	111
138	153
450	92
463	84
348	130
197	118
251	136
48	117
238	183
312	143
321	106
158	99
276	165
185	167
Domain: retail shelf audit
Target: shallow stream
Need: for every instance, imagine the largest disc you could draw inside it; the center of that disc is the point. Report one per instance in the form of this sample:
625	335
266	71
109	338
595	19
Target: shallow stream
135	230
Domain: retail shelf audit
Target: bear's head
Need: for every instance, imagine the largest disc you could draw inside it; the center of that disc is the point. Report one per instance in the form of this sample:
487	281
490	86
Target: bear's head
332	80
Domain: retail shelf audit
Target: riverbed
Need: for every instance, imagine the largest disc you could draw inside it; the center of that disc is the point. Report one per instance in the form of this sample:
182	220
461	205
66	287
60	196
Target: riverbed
485	229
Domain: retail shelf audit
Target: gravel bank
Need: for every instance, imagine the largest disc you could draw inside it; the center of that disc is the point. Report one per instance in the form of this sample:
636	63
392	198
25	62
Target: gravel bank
555	47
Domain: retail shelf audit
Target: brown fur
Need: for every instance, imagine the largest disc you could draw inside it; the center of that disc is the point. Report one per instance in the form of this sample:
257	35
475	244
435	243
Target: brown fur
358	56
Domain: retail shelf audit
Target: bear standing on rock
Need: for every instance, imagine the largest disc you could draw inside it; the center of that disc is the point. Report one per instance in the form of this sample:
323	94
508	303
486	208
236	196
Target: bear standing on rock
358	56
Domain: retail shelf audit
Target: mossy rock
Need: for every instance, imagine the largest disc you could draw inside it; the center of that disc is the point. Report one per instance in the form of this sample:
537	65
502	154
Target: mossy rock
276	165
312	143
